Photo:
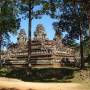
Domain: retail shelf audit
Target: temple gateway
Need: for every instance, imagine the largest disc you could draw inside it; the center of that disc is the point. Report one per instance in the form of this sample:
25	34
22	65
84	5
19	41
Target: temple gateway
44	52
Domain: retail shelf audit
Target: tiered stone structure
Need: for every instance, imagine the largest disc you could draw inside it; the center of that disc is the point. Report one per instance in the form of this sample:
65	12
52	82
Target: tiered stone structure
44	52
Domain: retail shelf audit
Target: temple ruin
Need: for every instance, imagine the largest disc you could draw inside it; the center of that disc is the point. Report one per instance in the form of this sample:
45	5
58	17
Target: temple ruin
44	52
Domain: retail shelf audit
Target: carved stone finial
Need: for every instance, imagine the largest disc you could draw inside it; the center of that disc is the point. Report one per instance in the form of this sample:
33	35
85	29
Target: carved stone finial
22	31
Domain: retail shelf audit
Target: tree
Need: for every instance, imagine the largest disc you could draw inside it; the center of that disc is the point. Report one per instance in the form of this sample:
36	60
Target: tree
9	22
29	9
73	20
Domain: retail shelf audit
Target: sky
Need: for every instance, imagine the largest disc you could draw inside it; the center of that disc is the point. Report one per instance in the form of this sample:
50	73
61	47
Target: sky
46	21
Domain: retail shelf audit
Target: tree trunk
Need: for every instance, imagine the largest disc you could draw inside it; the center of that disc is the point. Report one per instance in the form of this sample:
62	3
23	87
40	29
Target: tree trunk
89	30
89	33
88	15
81	47
29	38
0	47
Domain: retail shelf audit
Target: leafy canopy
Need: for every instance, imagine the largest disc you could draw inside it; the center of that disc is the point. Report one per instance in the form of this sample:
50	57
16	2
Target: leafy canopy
70	19
9	22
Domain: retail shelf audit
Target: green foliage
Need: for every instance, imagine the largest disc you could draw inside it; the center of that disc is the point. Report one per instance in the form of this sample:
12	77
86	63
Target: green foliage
43	75
39	7
70	21
70	18
24	8
9	22
3	72
74	21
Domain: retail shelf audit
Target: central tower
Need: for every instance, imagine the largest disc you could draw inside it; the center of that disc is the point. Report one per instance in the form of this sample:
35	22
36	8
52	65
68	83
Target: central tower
40	33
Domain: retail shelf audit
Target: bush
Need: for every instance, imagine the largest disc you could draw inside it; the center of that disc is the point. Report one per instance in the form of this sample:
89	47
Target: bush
3	72
51	74
42	74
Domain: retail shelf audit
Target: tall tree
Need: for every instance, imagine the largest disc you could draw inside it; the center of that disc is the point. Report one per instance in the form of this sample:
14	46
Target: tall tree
26	7
73	20
9	23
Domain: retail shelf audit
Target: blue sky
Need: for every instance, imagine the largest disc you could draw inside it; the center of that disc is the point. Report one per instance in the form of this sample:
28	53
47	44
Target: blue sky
46	21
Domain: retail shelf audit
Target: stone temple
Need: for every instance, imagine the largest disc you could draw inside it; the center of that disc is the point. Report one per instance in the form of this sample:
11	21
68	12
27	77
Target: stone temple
44	52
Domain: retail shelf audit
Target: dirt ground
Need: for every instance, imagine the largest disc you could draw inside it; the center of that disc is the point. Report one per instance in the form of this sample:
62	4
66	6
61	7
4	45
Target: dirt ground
14	84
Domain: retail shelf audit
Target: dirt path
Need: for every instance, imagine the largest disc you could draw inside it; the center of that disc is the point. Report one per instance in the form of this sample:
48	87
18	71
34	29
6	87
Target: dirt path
20	85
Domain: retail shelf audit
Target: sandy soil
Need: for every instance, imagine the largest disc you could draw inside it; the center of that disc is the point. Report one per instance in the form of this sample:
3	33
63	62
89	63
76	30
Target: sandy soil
13	84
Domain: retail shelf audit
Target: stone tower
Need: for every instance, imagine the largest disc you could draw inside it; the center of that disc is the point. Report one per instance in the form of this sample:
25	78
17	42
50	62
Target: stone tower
58	38
22	38
40	34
